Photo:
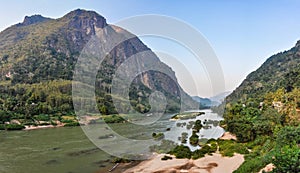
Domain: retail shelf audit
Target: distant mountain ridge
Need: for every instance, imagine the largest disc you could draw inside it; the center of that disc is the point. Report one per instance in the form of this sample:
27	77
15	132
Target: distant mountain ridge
219	98
203	102
212	101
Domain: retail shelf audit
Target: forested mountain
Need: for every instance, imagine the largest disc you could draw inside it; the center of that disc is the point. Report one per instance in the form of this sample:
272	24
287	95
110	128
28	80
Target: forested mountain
264	114
37	60
279	71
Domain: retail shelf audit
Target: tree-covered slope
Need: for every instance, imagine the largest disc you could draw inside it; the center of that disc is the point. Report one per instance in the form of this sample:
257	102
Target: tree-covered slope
264	114
38	57
279	71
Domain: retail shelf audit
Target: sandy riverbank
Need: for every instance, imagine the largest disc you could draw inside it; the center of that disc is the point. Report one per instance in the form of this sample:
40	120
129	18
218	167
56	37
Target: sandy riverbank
85	120
208	164
42	127
228	136
215	163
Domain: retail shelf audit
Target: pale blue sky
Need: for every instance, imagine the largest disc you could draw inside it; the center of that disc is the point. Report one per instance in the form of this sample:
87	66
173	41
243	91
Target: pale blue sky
243	34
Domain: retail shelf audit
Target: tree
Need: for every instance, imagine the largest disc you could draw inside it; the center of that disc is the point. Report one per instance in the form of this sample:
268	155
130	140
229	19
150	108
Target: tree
287	159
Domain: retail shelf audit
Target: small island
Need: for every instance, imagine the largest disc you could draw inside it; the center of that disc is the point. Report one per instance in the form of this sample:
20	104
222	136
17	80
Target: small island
187	115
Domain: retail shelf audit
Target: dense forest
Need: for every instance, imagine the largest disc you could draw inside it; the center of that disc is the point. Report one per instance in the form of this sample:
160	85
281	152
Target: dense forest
264	114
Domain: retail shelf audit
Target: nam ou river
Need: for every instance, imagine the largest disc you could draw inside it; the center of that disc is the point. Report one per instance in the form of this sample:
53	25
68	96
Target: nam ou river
68	150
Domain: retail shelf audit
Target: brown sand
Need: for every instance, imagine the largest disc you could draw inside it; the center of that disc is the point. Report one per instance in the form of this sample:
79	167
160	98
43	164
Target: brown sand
209	164
268	168
41	127
228	136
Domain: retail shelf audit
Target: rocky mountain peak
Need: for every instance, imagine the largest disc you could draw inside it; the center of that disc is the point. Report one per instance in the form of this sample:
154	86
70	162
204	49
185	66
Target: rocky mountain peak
29	20
85	19
298	43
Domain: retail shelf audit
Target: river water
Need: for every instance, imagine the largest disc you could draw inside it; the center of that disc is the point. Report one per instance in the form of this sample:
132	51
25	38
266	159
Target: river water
68	150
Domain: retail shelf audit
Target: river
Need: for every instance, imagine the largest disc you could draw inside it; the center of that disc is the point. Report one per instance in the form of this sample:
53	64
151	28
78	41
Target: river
68	150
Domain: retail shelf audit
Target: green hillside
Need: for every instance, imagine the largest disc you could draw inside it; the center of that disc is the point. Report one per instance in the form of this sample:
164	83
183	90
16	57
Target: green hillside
279	71
264	114
37	61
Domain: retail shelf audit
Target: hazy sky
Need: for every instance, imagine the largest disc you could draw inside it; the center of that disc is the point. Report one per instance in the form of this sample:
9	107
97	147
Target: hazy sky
242	34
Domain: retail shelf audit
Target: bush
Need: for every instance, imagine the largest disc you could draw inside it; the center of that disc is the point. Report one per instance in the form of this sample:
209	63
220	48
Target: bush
197	126
206	149
194	139
42	117
29	124
184	137
214	147
229	147
287	159
158	136
251	165
2	127
14	127
113	119
166	158
67	121
119	160
181	151
198	154
72	124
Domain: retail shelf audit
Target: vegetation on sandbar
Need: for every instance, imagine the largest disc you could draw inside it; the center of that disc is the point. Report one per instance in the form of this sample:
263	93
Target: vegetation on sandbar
187	115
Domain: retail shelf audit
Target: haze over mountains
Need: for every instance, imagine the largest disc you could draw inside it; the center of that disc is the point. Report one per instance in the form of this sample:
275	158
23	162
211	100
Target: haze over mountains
212	101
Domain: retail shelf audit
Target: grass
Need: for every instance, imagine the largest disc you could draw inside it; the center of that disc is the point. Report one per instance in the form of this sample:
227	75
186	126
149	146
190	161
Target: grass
229	147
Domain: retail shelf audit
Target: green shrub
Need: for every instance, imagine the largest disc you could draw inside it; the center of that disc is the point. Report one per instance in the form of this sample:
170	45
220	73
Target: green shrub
181	151
229	147
113	119
14	127
198	154
72	124
2	126
206	149
119	160
184	137
194	139
214	147
197	126
211	141
67	121
166	158
158	136
42	117
29	124
251	165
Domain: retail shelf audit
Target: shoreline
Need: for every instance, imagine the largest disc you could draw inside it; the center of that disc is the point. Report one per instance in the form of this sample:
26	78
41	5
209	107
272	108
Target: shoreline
214	163
228	136
85	121
28	128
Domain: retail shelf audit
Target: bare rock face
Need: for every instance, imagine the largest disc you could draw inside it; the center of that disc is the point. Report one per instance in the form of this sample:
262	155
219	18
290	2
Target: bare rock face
29	20
42	49
81	19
